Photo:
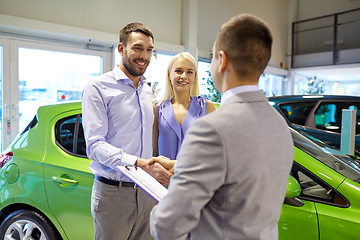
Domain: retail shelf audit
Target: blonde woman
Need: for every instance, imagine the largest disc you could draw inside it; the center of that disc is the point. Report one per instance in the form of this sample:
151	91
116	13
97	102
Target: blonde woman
180	106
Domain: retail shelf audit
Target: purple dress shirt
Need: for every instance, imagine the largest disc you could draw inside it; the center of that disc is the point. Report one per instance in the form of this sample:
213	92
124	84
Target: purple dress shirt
171	134
117	120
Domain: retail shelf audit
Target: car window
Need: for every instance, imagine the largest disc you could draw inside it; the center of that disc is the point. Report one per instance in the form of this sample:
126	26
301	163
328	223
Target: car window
328	115
32	124
297	112
342	164
314	189
69	134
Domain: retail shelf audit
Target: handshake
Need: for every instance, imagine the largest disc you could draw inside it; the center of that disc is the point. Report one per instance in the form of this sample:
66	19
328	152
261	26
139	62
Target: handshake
161	168
165	162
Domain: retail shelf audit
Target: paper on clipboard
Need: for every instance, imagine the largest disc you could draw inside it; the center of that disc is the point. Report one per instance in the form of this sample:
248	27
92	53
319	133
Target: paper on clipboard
145	181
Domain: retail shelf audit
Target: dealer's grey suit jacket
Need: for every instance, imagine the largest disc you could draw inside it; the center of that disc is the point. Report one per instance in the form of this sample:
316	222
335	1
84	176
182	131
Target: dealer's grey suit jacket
231	175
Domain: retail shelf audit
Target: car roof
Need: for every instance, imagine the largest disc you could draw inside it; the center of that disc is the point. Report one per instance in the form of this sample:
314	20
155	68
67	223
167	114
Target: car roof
313	97
51	110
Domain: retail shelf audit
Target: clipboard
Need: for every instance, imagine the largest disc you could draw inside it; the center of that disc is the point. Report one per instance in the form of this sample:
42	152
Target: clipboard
145	181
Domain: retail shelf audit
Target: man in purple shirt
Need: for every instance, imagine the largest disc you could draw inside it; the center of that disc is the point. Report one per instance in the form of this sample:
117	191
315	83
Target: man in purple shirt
118	118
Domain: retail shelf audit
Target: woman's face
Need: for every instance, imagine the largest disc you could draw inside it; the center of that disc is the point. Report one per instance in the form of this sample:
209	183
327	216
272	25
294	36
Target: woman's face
182	75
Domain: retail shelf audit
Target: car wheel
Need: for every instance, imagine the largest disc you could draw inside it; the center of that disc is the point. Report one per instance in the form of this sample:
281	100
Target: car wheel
26	224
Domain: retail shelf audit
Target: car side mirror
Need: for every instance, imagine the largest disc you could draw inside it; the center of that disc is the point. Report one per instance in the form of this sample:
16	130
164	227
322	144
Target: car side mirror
293	190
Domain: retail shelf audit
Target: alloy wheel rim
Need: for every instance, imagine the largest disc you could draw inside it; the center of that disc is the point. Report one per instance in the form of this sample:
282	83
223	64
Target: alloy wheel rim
24	230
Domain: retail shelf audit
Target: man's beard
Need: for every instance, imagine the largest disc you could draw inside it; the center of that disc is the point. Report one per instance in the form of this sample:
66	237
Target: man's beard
131	69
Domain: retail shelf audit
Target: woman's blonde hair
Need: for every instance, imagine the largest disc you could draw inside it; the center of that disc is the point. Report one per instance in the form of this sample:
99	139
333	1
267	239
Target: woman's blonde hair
194	90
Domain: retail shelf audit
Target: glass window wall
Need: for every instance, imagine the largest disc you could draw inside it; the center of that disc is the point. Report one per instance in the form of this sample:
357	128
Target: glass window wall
47	77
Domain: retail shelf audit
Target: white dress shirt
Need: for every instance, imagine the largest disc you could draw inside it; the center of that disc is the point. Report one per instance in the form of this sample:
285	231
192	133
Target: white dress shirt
236	90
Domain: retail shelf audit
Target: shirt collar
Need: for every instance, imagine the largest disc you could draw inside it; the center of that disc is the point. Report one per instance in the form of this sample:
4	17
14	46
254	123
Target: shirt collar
236	90
121	76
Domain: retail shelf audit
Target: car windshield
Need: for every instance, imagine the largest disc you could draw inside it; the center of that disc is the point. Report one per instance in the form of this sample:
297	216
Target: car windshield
340	163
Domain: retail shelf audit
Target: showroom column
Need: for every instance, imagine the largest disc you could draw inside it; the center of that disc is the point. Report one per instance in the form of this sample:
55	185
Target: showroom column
189	26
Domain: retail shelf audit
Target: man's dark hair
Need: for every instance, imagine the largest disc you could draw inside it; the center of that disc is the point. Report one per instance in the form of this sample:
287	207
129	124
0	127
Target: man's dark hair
134	27
247	41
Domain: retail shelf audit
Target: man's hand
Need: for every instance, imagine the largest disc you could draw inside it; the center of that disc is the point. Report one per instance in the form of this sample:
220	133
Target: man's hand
156	170
164	161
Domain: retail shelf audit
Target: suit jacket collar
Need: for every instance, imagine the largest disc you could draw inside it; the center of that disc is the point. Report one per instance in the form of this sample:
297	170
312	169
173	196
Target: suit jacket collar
236	90
253	96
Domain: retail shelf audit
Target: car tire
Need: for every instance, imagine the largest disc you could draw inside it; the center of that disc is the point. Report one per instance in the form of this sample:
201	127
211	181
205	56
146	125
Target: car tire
26	224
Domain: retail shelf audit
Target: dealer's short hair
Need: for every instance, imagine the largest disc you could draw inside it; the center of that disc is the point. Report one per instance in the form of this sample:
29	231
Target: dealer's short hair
247	41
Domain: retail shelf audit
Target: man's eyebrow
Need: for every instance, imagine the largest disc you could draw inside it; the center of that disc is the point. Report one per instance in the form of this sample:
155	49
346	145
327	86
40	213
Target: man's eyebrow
141	45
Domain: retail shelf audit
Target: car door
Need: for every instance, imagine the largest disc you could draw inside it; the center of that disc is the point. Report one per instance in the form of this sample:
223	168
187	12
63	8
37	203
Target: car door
68	180
341	219
330	217
298	222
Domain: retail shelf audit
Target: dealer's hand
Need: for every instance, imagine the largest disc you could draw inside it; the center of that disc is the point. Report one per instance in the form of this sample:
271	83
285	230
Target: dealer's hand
156	170
165	162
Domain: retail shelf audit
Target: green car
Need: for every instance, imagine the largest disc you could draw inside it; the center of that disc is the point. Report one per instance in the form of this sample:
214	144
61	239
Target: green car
328	206
45	181
45	185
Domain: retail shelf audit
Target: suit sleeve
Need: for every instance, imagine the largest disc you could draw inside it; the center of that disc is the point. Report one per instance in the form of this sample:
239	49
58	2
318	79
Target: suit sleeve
199	171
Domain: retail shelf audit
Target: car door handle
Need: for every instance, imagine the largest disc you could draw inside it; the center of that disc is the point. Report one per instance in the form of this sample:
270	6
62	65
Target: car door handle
65	182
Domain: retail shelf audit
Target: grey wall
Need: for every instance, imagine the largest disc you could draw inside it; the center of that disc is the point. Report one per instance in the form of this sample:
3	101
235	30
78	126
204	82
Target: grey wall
307	9
101	21
213	13
107	16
